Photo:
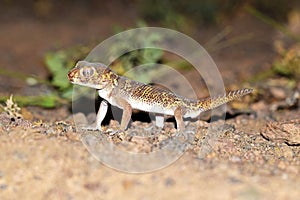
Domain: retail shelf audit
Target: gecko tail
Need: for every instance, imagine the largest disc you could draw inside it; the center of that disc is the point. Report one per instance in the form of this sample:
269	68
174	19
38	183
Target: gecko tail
211	103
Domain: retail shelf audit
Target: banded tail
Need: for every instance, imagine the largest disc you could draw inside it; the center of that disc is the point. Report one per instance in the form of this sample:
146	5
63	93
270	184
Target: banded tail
211	103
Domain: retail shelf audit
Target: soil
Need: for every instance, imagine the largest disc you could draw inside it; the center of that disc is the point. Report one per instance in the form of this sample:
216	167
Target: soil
254	154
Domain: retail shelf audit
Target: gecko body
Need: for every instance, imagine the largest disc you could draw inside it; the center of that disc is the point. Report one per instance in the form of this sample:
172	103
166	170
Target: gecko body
129	94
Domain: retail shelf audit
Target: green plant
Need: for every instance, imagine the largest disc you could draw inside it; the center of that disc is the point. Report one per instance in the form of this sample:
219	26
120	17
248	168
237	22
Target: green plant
60	89
272	22
178	14
289	63
59	63
130	59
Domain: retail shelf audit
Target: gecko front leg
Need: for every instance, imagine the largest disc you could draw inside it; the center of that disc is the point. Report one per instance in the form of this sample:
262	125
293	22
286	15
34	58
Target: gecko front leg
100	116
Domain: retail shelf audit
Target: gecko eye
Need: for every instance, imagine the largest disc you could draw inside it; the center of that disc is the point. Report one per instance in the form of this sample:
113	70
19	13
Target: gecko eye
87	71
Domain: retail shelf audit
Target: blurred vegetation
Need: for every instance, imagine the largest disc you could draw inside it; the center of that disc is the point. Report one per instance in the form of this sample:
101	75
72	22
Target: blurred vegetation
288	64
60	89
272	22
170	13
59	63
176	14
275	9
128	60
179	14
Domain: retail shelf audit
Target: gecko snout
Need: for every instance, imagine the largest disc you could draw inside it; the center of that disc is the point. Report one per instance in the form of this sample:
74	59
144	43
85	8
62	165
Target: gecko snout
71	75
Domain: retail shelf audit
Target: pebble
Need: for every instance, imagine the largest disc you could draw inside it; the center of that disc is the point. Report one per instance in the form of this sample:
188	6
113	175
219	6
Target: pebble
287	152
278	93
169	182
236	159
80	119
3	186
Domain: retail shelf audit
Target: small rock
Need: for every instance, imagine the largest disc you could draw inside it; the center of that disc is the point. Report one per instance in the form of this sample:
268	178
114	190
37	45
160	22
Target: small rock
278	93
3	186
282	165
80	119
169	182
236	159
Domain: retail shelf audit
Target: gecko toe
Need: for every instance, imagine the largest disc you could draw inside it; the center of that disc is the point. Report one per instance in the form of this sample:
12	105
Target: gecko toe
113	131
91	128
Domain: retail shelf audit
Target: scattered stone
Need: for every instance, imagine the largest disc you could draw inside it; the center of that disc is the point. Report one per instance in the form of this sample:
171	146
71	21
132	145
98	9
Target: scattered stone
169	182
288	132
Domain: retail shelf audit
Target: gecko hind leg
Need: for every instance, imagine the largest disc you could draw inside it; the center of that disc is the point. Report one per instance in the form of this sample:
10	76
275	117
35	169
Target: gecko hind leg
178	114
126	116
159	123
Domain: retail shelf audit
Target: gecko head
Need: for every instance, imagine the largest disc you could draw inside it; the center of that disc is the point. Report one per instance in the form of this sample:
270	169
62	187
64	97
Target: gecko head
94	75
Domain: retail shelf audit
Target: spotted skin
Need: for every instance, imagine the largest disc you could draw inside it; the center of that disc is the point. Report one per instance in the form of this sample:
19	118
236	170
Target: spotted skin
129	94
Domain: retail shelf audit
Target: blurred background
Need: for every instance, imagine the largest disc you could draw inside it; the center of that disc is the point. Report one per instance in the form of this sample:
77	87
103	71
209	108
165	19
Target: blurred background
249	40
254	155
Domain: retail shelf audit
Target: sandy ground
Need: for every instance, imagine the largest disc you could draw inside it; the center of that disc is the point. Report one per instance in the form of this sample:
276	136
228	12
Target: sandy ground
49	161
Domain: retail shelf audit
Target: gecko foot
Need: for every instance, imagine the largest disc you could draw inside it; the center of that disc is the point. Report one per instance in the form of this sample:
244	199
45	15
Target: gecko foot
153	127
91	128
113	131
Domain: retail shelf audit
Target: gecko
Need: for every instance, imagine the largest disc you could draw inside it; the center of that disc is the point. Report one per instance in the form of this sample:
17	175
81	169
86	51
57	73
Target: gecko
128	94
